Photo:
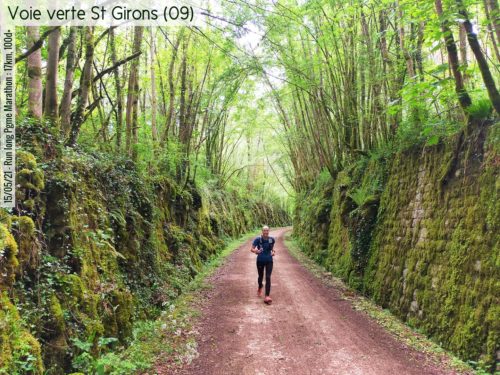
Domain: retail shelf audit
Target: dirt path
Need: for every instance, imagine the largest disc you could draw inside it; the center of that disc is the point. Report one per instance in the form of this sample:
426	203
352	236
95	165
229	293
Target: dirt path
309	329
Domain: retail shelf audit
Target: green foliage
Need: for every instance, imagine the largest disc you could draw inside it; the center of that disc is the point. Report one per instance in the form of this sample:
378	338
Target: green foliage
170	158
312	211
481	108
85	359
362	196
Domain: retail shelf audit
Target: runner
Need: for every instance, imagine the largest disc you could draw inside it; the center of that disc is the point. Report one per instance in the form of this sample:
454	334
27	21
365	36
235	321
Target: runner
263	246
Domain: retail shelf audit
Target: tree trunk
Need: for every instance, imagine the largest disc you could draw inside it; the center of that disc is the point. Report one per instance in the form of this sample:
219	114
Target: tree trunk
65	108
51	102
488	80
182	105
154	131
418	52
118	89
494	16
85	82
34	74
493	26
410	68
171	87
462	36
133	95
463	97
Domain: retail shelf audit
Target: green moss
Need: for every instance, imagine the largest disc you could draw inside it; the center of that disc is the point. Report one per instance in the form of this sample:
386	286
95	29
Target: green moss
17	346
29	247
29	176
30	182
57	315
119	320
25	225
26	159
73	289
5	218
8	258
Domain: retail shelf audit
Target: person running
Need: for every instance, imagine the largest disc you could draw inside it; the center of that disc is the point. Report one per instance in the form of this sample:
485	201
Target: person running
263	246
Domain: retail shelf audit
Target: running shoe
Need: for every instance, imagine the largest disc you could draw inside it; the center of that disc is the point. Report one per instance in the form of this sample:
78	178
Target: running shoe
259	292
268	300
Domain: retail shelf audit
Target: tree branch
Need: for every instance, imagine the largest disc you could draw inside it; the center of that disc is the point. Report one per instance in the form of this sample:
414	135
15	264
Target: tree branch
37	45
110	69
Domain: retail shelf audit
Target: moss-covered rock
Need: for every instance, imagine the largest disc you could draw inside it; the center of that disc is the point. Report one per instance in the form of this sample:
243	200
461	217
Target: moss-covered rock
20	352
30	182
9	262
29	247
28	176
420	234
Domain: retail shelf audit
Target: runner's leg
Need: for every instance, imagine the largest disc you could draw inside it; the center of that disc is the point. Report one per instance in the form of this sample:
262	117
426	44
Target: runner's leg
260	270
269	270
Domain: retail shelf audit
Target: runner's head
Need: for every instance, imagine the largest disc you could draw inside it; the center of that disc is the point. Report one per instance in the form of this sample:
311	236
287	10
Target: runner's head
265	231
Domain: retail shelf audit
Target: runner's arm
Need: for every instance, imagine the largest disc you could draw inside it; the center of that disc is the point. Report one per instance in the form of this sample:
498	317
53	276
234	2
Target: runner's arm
255	249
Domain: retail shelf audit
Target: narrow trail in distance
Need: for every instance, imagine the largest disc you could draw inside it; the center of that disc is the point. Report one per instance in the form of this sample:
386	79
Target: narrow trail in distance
309	328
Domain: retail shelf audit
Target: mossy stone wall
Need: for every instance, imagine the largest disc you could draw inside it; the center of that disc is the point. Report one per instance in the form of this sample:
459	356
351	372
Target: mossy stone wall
431	255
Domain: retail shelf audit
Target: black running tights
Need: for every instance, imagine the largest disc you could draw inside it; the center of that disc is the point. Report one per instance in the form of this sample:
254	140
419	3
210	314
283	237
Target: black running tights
269	269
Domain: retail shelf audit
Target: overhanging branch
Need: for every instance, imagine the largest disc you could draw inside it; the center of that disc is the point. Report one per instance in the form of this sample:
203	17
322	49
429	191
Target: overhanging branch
37	45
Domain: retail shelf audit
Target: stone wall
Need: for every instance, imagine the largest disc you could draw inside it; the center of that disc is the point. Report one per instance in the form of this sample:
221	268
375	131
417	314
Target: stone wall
418	231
